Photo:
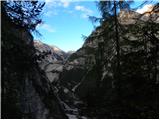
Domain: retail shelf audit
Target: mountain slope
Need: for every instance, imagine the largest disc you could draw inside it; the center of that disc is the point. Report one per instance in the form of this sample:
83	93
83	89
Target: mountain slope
50	59
90	72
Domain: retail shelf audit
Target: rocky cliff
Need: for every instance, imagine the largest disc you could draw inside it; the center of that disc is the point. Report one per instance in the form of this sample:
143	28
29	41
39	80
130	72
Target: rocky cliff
90	73
26	91
50	59
54	62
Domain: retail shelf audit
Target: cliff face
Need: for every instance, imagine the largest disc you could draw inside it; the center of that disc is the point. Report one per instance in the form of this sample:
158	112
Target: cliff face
49	53
90	73
54	62
50	59
26	91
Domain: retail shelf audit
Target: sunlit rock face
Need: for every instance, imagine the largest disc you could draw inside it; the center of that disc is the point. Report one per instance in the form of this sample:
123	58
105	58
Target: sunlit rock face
26	91
147	12
58	66
50	59
49	53
62	74
128	17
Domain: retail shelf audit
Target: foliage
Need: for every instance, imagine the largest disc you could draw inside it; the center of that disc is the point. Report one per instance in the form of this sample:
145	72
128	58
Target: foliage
25	14
137	93
84	37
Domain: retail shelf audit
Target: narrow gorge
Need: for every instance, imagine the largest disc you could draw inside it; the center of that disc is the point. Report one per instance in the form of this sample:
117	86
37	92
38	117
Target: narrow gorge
43	81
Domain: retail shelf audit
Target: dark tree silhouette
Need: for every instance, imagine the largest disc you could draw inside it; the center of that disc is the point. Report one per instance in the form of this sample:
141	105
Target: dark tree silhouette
109	11
23	13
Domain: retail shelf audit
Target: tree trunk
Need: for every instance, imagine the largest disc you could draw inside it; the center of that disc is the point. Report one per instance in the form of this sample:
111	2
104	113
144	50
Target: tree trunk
117	46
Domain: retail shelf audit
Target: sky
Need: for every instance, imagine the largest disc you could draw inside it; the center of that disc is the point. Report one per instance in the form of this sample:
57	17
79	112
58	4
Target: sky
65	21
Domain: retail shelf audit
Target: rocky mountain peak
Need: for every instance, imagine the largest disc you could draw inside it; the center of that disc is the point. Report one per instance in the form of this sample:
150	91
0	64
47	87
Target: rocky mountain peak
48	52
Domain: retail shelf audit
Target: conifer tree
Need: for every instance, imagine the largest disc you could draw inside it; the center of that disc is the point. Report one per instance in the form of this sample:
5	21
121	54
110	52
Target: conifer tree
25	14
109	11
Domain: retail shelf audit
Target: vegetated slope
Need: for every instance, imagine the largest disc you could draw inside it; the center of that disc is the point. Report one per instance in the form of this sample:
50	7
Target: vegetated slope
26	91
90	72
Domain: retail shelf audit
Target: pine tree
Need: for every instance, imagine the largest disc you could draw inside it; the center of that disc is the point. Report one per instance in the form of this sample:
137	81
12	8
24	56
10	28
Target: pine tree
25	14
109	11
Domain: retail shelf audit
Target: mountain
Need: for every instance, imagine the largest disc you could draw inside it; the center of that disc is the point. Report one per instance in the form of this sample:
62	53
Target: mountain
50	59
50	53
42	81
89	75
85	81
54	62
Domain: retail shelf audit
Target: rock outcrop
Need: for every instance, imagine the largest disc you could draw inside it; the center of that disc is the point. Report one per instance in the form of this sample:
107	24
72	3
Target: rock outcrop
90	74
26	91
54	63
50	59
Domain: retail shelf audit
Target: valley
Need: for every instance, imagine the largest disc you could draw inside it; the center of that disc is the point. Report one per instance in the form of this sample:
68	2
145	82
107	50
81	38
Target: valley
104	79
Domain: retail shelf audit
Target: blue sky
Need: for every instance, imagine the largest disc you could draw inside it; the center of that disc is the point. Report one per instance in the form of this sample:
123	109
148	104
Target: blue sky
65	21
